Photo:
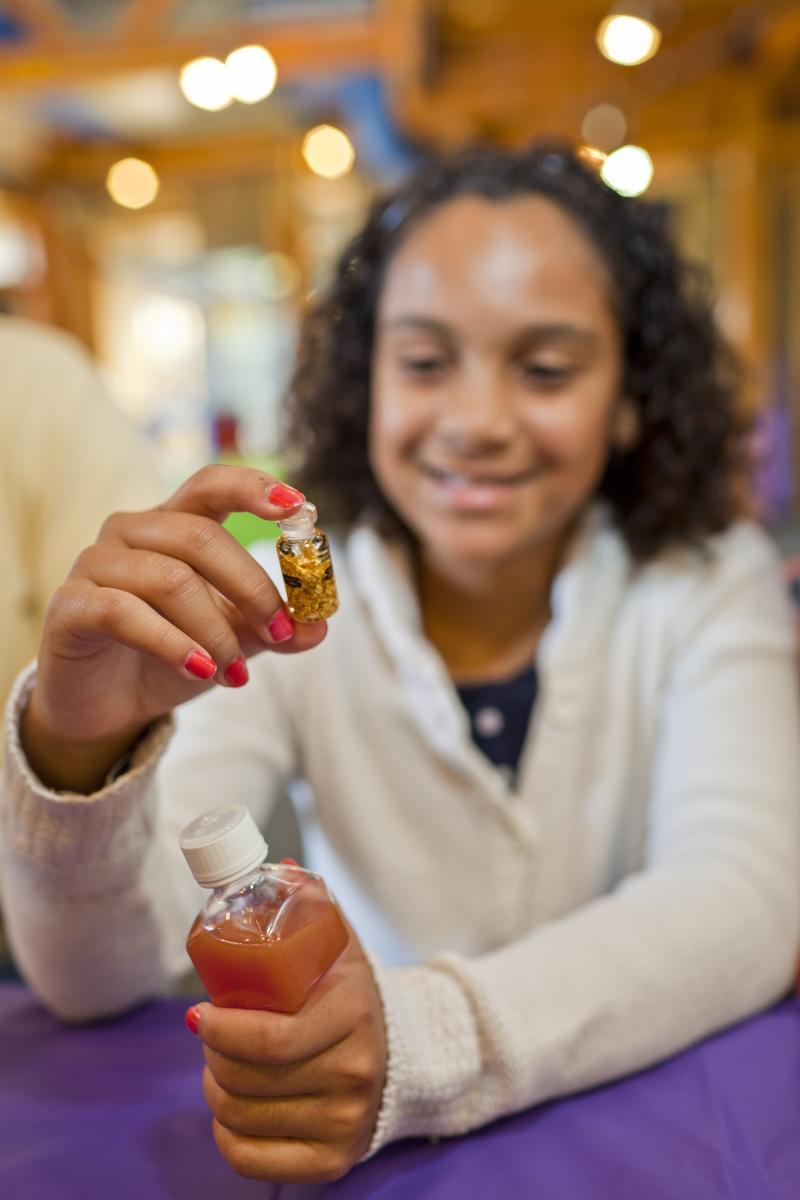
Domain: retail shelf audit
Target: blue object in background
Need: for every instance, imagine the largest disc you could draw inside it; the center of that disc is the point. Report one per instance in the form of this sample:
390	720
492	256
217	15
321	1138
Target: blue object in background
360	104
774	481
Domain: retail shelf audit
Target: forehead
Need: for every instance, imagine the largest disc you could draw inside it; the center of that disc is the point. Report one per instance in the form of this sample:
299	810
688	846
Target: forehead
523	252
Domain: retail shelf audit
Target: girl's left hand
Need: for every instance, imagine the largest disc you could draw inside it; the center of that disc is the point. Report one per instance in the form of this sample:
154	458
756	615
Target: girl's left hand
295	1096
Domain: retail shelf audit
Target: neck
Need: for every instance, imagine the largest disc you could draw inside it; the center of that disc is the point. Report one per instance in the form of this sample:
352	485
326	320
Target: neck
486	621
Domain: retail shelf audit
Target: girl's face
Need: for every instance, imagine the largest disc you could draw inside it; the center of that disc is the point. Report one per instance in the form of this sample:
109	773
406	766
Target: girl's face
495	378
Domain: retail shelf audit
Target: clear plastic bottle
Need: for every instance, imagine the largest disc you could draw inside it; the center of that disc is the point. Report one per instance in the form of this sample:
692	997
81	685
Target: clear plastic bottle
305	560
268	933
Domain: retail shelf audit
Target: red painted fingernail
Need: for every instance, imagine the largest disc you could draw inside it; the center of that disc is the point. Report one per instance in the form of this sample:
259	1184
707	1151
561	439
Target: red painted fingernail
199	664
236	673
290	862
281	627
284	496
192	1018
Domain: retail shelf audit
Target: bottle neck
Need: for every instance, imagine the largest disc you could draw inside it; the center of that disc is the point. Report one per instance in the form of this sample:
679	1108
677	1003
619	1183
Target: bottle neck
239	882
296	537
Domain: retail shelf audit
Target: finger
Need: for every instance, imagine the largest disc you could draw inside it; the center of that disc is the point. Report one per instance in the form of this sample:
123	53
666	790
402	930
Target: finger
302	1078
280	1160
215	555
284	1116
305	636
86	609
272	1038
174	590
216	491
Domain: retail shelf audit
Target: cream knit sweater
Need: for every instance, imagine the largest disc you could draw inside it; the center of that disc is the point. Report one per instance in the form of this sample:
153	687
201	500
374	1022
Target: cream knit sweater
638	888
67	459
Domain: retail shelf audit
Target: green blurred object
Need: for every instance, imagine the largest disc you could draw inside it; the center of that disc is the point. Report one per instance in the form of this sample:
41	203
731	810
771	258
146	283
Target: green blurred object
246	527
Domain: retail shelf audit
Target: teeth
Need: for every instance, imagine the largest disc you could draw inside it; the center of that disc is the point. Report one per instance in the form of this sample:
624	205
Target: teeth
467	480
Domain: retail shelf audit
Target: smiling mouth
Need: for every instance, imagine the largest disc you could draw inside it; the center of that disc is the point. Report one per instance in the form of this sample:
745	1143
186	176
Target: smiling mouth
464	479
476	493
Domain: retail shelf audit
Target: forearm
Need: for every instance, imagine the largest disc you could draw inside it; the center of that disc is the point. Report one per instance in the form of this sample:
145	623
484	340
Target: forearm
69	766
111	860
83	923
618	985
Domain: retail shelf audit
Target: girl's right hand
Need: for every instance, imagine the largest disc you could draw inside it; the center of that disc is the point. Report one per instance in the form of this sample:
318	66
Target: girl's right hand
165	604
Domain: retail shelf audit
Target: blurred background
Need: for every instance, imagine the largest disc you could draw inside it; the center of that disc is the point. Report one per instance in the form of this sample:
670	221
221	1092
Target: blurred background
176	176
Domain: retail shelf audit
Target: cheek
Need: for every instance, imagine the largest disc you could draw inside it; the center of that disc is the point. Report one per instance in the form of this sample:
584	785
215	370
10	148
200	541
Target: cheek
391	421
396	422
572	432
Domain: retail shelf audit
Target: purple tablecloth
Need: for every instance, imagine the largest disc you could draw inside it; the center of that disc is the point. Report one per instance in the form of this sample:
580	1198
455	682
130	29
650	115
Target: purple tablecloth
114	1112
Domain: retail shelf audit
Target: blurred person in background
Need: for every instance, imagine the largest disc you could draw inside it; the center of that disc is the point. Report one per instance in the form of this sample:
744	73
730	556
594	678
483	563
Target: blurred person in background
68	459
551	735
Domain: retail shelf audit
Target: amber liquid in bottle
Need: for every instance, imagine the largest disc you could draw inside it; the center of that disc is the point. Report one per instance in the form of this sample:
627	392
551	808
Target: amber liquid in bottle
268	943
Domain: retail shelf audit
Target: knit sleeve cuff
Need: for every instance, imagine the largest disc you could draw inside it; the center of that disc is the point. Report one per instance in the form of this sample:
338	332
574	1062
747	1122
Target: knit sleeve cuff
434	1055
65	829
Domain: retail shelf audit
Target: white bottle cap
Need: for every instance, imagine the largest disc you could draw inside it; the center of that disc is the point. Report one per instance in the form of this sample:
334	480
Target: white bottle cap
301	524
222	845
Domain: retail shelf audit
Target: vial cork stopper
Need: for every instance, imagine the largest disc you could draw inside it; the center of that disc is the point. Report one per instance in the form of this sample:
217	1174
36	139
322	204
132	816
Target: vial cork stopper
222	845
301	524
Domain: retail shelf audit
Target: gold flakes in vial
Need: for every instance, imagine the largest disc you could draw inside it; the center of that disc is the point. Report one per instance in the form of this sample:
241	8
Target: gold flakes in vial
305	561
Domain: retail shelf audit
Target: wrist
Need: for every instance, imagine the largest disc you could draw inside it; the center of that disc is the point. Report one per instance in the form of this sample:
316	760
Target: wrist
68	764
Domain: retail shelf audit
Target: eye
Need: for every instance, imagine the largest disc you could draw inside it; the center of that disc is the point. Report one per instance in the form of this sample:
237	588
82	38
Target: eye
423	365
545	375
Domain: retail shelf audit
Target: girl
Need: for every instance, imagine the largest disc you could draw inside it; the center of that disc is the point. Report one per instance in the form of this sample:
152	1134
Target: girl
551	734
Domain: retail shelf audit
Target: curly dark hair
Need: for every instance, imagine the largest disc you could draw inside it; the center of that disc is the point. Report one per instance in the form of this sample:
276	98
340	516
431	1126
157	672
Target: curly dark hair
677	485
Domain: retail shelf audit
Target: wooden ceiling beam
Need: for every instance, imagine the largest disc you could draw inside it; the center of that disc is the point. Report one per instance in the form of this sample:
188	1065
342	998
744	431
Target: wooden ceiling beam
230	155
299	48
142	18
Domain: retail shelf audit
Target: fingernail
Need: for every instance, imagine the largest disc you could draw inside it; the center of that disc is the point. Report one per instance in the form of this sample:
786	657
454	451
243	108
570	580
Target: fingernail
192	1018
236	673
290	862
281	627
284	496
199	664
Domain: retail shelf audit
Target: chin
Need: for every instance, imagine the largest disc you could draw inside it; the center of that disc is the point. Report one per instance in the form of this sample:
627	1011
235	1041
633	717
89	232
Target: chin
486	545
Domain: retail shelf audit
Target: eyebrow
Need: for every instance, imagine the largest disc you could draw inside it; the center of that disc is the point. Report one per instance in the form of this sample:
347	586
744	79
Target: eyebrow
526	336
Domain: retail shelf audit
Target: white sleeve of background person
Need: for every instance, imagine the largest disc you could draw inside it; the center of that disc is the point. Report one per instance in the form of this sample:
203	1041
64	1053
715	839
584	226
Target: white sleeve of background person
68	458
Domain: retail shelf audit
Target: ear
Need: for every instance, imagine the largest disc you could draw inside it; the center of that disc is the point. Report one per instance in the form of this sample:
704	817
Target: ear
625	425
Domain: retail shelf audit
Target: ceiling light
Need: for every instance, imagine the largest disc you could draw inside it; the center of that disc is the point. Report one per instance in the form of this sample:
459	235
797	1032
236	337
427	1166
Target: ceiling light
328	151
628	40
205	83
132	183
251	73
628	170
604	126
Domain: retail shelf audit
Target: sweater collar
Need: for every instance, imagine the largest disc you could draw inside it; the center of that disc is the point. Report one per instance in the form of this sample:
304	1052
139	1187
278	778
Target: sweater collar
382	571
585	593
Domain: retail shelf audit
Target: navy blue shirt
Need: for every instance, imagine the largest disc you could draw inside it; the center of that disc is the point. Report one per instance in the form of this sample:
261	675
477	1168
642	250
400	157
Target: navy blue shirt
499	715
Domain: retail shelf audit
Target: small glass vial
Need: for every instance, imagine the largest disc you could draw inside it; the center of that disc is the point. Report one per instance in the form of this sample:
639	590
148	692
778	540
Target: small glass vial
268	933
305	560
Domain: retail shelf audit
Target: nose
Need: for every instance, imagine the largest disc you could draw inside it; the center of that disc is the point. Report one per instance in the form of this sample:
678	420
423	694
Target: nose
478	414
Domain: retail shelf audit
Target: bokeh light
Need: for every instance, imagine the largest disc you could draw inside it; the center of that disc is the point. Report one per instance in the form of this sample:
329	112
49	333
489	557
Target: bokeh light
206	84
593	156
132	182
628	170
627	40
251	73
168	328
328	151
604	126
